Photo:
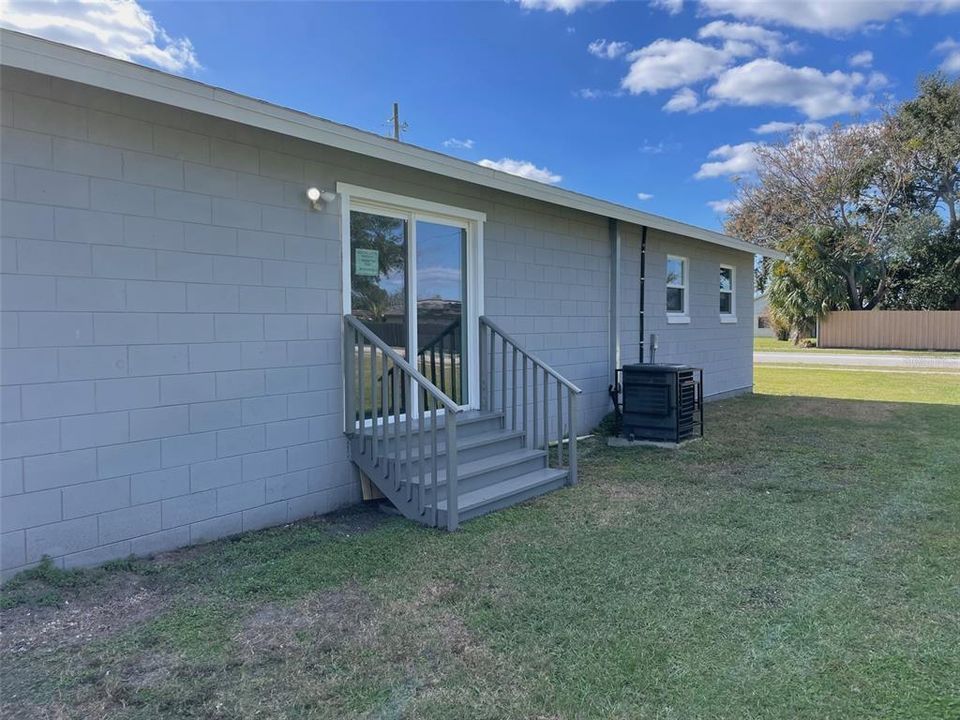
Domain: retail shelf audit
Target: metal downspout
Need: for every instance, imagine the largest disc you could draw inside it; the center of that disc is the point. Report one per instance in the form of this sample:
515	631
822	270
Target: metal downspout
643	280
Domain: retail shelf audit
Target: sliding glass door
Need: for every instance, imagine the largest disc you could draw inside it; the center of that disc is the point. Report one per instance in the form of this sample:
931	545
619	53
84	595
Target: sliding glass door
440	307
409	285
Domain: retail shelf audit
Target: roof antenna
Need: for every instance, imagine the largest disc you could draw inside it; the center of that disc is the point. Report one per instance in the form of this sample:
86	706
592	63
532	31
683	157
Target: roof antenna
398	127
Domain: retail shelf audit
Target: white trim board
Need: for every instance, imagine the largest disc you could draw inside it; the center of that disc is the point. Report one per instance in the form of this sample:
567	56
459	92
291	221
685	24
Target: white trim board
22	51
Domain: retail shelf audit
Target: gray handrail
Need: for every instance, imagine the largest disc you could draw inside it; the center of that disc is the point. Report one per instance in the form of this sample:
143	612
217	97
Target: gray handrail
448	404
533	358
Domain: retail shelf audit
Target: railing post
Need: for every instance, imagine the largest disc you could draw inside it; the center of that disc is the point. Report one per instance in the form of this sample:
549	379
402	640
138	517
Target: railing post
451	426
536	407
503	377
361	359
492	349
559	424
513	393
349	371
484	404
526	427
572	450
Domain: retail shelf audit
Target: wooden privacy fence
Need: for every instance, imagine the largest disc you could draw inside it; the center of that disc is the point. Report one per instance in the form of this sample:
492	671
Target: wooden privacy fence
891	330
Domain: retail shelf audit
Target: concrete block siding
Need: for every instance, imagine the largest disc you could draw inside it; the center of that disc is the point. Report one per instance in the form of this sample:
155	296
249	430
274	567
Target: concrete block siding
170	319
723	350
170	313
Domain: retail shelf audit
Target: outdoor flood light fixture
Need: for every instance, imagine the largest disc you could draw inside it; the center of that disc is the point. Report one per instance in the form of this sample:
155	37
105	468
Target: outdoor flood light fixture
320	198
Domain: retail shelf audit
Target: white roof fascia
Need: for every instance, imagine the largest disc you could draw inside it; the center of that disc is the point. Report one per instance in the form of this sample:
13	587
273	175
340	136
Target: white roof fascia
34	54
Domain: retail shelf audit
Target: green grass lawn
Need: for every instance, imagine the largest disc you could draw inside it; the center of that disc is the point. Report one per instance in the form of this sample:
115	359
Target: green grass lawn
769	344
847	383
802	561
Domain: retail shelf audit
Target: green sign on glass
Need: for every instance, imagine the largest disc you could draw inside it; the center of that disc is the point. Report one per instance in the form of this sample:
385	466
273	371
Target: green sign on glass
366	262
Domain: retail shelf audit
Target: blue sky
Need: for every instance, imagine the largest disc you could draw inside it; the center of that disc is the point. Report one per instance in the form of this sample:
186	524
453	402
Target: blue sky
620	100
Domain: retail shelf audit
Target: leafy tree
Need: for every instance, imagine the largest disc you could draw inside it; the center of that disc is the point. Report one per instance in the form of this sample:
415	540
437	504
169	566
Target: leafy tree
929	126
925	274
845	187
812	282
869	213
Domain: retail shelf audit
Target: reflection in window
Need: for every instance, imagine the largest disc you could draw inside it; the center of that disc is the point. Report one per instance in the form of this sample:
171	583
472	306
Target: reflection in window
378	275
676	285
441	292
726	290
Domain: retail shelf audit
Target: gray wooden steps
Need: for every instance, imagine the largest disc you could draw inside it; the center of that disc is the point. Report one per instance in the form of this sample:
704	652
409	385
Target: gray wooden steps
494	468
488	469
505	493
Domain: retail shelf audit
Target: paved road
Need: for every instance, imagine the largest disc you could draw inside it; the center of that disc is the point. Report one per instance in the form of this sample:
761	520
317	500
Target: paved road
925	362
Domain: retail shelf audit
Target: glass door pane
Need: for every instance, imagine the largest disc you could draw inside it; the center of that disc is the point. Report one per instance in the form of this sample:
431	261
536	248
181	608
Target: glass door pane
441	307
378	288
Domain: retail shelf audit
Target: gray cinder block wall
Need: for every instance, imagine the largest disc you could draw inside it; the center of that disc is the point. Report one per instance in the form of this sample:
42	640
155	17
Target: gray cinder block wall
723	350
171	316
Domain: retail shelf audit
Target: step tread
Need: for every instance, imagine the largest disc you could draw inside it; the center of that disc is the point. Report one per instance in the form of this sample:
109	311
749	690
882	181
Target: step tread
468	417
478	467
470	441
504	489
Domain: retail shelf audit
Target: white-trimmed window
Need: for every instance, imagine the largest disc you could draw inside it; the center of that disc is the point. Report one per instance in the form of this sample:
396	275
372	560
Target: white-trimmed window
728	306
677	286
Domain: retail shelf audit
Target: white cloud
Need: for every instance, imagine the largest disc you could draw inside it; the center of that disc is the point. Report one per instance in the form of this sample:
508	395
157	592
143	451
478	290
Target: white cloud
684	100
524	169
721	206
120	28
644	196
877	80
777	127
950	49
768	82
608	49
671	6
649	148
672	63
735	34
595	94
458	144
567	6
730	160
863	59
826	15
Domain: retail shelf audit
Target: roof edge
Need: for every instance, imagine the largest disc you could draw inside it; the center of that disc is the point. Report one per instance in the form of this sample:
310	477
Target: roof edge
27	52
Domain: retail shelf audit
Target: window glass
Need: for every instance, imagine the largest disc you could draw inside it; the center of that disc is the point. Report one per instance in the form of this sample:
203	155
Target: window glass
675	300
726	291
676	285
726	279
441	310
675	272
378	276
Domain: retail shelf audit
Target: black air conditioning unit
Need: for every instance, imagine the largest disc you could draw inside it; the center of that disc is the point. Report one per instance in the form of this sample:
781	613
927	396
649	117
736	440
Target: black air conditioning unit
661	403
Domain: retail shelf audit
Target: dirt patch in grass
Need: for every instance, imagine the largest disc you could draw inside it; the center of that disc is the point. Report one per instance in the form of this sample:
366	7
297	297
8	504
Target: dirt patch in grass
322	622
354	521
79	620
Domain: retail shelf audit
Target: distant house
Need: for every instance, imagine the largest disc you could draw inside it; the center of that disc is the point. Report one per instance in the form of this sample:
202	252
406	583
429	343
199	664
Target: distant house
218	312
761	317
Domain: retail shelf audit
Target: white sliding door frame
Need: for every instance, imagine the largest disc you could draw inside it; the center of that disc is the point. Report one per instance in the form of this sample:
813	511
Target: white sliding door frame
413	210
